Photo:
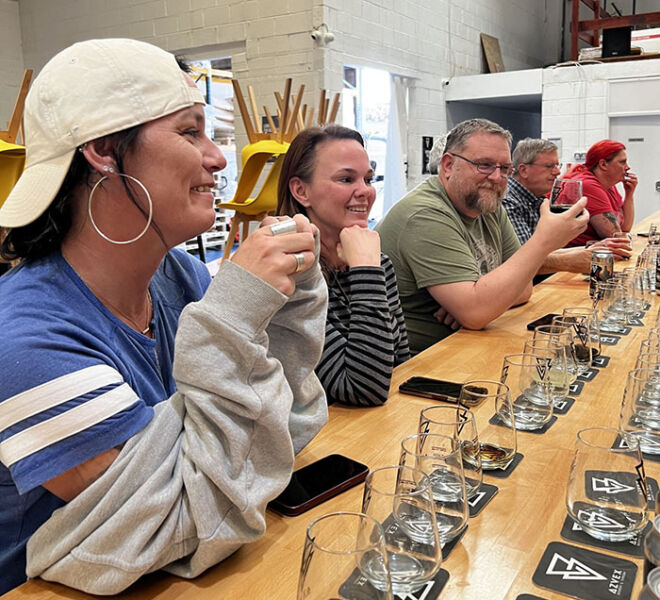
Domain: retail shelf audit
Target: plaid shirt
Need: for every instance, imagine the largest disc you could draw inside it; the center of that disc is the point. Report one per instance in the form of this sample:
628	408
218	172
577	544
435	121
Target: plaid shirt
523	209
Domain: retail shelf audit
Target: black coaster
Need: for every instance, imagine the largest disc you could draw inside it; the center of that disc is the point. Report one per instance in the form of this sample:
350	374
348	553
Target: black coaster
572	532
634	321
600	361
575	389
449	546
588	375
584	574
561	407
529	597
482	497
357	586
609	340
504	473
495	420
620	443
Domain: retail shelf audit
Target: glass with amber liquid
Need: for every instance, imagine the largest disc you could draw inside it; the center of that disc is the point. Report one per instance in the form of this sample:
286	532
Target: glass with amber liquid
497	444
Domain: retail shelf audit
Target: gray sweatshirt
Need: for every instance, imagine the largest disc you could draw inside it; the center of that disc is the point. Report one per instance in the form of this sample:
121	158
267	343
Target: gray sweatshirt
192	486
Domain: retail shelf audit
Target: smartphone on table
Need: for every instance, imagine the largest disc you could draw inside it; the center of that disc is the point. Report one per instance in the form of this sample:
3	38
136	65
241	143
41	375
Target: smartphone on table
544	320
317	482
435	389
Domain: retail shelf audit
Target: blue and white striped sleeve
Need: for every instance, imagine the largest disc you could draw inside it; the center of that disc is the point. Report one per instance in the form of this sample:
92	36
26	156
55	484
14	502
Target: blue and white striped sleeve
61	420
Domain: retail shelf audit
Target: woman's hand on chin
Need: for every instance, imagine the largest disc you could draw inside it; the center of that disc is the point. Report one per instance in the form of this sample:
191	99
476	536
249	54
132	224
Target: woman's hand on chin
359	247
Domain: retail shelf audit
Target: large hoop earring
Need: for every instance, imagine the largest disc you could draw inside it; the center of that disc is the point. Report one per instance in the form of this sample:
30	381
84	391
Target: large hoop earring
95	226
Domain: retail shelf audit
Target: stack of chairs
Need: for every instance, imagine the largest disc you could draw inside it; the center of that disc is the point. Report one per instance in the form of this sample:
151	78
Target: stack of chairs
292	117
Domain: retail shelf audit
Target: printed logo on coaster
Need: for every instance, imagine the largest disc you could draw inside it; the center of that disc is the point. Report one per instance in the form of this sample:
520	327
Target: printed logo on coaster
634	321
590	515
584	573
609	340
481	498
619	487
503	473
357	586
575	389
588	375
561	407
621	443
601	361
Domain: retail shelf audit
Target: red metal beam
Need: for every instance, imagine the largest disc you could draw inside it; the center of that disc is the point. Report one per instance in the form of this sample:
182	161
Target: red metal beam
628	21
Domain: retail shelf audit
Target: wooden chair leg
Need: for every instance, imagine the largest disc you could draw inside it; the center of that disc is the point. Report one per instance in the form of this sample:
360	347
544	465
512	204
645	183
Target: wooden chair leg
229	244
246	228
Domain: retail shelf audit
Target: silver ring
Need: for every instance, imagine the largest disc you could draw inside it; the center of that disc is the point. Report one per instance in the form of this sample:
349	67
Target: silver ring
300	261
288	226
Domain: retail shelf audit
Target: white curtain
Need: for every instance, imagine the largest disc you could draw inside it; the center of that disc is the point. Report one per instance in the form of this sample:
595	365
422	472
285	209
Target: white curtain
397	136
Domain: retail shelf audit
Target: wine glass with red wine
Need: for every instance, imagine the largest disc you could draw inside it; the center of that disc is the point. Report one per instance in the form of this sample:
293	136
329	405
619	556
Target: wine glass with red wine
565	193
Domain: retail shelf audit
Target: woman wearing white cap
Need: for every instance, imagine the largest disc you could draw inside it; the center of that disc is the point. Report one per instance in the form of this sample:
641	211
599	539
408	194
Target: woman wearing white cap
158	411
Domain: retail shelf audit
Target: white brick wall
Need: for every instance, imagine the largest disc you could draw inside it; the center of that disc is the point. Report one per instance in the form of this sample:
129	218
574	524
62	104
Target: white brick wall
11	59
425	40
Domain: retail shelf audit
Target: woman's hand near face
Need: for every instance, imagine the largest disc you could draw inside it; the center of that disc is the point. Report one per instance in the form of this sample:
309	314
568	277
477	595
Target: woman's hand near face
272	257
359	247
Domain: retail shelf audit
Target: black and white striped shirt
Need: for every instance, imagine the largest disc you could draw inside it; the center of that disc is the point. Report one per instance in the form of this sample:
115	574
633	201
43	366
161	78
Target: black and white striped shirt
365	335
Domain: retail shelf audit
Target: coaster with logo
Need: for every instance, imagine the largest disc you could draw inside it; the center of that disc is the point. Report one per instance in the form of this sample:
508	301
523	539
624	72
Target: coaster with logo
634	321
600	361
529	597
481	498
620	443
584	574
495	420
609	340
618	487
561	407
504	473
572	532
588	375
449	546
575	389
357	586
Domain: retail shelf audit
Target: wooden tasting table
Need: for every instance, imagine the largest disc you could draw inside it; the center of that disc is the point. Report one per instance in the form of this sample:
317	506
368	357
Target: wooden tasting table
502	546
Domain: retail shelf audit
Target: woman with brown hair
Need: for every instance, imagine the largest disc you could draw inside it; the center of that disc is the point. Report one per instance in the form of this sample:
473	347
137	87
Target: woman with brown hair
326	176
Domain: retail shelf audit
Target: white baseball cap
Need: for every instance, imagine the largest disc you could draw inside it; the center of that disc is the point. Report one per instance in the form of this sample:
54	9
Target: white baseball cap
91	89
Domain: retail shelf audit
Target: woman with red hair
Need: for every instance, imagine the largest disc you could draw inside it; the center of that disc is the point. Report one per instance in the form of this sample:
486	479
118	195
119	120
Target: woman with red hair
605	166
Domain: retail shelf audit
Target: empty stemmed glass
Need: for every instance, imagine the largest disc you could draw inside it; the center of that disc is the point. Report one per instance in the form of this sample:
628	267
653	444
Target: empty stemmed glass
342	552
497	444
457	422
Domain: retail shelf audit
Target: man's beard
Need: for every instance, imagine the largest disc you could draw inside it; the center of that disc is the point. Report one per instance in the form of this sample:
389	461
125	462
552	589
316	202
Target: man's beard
474	201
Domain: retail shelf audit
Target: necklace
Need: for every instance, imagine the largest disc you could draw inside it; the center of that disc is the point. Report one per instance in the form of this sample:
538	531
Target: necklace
149	310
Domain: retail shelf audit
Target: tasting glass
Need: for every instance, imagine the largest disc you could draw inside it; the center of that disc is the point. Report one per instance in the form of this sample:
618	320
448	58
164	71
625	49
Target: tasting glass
640	286
564	335
527	376
497	444
439	457
555	353
401	500
611	306
565	192
459	423
586	339
344	552
640	408
607	492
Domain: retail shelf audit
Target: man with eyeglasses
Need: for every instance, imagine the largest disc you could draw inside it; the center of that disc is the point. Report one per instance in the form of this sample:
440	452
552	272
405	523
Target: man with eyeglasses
456	255
536	166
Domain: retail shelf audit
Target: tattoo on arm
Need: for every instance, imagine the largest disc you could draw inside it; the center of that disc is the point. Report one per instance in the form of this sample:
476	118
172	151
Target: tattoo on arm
605	224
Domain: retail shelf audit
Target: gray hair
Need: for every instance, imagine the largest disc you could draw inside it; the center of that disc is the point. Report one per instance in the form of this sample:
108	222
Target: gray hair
458	136
528	149
435	154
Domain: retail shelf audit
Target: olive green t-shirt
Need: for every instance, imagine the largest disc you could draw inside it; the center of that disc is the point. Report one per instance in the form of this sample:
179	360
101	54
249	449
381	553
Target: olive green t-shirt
431	243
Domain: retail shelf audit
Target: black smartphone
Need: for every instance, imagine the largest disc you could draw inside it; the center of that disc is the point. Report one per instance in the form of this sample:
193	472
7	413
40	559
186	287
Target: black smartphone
643	233
317	482
544	320
436	389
